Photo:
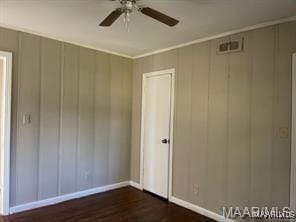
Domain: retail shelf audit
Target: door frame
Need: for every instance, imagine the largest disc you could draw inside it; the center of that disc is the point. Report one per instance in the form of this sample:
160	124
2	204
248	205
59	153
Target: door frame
293	138
144	79
5	134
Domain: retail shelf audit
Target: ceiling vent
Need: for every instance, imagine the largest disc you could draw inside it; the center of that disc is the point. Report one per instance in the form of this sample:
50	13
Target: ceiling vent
235	45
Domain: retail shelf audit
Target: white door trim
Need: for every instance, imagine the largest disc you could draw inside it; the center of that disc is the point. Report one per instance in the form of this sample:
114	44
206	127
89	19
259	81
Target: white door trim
5	134
144	78
293	138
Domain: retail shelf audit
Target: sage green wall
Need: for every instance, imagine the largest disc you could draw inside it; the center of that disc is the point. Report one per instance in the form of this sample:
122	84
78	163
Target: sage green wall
228	112
80	104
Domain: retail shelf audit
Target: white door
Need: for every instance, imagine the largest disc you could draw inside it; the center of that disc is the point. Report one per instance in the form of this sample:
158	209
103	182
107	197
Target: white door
156	131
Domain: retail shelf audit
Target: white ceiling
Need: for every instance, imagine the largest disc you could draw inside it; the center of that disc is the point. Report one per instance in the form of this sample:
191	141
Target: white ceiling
77	21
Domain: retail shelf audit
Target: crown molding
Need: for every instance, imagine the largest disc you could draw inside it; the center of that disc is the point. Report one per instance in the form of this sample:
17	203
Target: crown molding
63	40
224	34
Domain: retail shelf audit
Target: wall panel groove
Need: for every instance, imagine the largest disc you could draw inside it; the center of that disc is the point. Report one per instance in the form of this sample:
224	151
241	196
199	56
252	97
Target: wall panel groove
61	121
15	95
50	119
239	125
274	104
78	124
183	119
86	120
102	112
199	129
14	188
29	100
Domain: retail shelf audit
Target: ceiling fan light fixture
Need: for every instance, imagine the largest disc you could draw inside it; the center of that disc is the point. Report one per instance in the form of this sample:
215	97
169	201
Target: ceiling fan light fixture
127	21
128	6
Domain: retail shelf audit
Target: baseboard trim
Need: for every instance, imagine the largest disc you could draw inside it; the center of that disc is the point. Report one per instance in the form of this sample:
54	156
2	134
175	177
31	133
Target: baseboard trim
71	196
199	210
136	185
190	206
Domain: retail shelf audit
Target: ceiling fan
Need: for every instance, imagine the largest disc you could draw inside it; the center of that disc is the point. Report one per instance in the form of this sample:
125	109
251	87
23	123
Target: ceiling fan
128	6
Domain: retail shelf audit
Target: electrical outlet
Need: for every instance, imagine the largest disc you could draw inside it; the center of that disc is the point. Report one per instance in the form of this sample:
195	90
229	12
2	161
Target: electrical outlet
87	176
195	190
284	132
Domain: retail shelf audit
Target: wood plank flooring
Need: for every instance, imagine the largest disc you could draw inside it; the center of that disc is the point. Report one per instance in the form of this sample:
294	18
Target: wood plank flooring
122	205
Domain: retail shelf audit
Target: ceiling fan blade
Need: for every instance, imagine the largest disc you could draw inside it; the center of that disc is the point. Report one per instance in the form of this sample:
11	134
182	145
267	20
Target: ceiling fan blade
159	16
111	18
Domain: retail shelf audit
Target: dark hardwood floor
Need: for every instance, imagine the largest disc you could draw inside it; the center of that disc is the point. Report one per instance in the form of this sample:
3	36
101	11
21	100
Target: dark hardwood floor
125	204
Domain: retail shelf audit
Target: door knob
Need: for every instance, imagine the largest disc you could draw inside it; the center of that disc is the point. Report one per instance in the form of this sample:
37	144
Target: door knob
165	141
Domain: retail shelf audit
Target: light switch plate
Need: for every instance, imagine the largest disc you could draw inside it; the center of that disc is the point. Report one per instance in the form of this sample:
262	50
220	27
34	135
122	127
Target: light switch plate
26	119
284	133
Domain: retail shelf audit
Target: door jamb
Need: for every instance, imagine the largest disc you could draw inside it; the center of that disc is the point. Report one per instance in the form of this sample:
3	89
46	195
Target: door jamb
293	138
144	77
5	134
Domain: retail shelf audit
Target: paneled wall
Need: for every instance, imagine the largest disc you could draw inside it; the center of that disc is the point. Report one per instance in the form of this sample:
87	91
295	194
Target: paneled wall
228	113
80	105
